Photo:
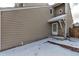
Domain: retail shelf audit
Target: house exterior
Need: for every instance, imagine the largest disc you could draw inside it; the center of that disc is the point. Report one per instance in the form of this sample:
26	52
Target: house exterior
30	4
23	25
30	22
61	19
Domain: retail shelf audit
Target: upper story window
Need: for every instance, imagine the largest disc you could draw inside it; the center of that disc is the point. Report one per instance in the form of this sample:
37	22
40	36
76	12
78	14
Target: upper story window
50	11
60	11
21	5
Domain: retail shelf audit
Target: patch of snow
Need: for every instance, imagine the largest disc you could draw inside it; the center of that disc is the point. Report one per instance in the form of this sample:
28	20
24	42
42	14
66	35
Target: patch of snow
39	48
74	42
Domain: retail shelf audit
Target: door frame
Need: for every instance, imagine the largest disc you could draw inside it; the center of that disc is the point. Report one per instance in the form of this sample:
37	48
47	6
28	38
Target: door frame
55	33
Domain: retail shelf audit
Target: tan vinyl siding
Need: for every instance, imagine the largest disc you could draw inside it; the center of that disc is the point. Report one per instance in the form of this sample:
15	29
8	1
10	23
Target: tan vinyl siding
24	25
0	30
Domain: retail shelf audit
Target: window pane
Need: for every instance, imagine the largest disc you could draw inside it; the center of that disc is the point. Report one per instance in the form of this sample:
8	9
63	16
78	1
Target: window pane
54	27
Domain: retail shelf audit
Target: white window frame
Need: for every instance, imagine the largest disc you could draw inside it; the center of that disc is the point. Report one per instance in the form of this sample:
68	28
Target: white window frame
55	33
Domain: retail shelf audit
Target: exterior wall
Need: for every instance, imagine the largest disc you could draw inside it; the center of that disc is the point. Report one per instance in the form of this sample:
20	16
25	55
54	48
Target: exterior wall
67	10
0	30
24	26
69	19
34	4
30	4
57	9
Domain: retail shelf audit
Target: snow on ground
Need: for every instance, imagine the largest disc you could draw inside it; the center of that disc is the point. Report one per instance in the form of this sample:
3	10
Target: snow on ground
39	48
74	42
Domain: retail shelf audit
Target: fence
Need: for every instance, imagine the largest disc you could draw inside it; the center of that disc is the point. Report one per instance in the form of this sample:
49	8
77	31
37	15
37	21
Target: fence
74	32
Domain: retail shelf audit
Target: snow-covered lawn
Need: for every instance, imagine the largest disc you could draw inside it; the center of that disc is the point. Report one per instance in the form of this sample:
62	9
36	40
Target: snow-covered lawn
39	48
74	42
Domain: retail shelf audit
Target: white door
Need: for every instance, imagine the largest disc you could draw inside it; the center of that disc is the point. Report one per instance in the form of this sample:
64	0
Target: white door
55	28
